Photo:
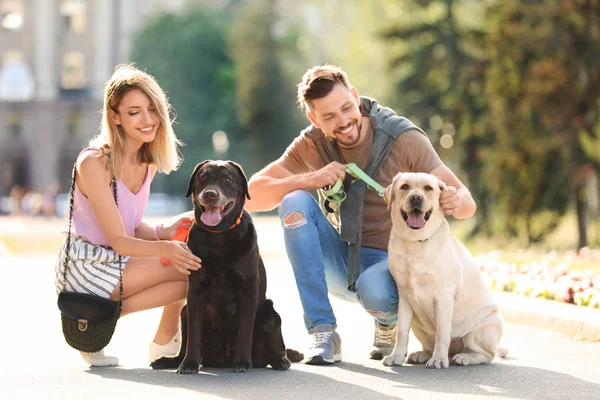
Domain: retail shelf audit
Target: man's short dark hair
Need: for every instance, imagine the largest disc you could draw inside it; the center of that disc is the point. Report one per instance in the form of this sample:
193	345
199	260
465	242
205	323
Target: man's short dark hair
318	82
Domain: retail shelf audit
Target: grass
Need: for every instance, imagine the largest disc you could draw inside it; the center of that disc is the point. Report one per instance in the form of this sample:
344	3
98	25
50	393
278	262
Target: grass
31	243
559	246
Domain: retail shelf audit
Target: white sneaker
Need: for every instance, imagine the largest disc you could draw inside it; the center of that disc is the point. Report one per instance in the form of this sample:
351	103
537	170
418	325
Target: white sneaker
326	348
98	359
170	349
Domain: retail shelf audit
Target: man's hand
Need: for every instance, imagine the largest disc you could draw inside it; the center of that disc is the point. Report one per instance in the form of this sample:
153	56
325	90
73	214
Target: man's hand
450	200
328	175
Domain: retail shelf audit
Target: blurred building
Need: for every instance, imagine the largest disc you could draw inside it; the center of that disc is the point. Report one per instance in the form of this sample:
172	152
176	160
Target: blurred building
55	56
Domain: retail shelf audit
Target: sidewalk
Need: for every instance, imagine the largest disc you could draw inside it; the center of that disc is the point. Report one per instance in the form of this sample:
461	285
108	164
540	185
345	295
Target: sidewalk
42	236
574	321
40	365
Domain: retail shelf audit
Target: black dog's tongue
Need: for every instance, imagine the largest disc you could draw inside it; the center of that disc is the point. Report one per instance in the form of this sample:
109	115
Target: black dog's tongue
211	215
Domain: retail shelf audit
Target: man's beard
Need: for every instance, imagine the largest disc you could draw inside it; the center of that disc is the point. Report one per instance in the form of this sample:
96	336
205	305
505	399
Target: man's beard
350	141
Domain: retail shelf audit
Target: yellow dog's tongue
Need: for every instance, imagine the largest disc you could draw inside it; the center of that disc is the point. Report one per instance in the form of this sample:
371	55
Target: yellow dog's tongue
416	219
211	216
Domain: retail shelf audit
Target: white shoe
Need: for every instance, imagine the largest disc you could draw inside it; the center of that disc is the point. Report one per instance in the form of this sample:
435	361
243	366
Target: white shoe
98	359
170	349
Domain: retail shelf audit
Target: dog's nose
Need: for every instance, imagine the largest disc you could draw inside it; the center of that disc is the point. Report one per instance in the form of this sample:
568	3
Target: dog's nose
415	198
210	195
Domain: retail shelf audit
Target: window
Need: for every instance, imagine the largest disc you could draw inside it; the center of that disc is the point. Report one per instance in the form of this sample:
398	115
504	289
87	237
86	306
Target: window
74	16
14	123
73	75
11	14
16	80
75	124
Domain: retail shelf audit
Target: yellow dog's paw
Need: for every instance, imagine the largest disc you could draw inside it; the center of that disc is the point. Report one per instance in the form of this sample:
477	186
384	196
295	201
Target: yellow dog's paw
394	359
419	357
437	362
461	359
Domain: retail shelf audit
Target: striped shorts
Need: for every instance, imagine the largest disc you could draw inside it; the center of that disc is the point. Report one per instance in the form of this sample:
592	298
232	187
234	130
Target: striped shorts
91	268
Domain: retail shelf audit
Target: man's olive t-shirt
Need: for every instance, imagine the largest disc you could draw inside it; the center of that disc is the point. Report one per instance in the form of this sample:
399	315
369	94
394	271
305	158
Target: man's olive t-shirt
412	152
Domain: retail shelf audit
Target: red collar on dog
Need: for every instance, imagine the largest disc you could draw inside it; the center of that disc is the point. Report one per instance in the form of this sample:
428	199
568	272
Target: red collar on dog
236	223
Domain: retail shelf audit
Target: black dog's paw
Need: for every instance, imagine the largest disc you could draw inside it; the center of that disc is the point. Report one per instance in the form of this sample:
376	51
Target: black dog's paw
294	355
165	363
241	366
188	367
281	364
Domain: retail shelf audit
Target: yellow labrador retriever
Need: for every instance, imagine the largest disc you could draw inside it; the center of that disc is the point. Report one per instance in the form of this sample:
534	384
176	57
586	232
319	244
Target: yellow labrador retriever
442	295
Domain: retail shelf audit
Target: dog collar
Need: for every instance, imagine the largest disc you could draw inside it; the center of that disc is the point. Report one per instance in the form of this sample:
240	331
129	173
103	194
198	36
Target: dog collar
434	233
236	223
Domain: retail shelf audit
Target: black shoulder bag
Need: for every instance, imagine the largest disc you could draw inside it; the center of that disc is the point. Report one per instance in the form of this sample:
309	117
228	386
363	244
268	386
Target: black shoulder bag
88	321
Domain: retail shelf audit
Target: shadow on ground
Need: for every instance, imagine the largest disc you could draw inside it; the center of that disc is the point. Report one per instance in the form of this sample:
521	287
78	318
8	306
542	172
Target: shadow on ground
258	384
495	380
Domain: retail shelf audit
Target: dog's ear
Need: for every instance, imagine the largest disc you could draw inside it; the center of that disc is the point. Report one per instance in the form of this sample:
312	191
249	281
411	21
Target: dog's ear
191	182
388	195
441	183
239	169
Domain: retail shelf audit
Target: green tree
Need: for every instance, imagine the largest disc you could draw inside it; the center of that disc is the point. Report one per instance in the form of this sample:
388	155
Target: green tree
188	55
544	88
265	98
354	45
439	62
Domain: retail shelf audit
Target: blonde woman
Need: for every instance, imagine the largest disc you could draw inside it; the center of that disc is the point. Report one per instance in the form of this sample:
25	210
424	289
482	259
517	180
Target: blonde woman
136	141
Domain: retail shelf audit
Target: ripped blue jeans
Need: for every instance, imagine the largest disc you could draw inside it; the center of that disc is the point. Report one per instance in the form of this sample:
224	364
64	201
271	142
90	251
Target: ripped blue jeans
319	260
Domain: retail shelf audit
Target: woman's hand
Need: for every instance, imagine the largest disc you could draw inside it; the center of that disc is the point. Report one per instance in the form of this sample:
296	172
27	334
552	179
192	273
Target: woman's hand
168	232
181	257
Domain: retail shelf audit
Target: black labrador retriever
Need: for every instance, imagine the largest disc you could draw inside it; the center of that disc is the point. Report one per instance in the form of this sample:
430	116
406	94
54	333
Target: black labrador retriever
230	322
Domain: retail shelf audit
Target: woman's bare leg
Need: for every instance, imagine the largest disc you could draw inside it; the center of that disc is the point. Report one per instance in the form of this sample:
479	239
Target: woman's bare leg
170	318
147	283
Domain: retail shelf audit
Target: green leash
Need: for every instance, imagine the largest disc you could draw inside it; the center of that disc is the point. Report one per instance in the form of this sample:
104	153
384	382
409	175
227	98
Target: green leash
337	194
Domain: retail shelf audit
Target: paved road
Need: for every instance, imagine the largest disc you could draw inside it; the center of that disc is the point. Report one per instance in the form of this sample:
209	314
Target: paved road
38	364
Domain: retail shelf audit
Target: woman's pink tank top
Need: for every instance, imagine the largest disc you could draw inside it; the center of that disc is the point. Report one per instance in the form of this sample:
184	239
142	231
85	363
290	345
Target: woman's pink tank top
131	208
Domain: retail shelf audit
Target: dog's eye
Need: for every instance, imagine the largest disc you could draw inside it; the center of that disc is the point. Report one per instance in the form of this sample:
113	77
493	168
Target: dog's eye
227	179
427	187
404	187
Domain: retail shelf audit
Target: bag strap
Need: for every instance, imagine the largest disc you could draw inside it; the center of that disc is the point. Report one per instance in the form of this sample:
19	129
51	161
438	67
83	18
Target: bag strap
68	245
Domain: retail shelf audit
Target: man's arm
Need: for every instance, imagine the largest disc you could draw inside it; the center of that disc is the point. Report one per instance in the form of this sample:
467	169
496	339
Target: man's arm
270	185
456	200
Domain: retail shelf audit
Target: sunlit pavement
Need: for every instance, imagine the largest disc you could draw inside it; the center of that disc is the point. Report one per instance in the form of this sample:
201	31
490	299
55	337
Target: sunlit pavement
38	364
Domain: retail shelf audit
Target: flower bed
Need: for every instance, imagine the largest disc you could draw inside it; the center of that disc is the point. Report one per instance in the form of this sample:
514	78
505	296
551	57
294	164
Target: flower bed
549	276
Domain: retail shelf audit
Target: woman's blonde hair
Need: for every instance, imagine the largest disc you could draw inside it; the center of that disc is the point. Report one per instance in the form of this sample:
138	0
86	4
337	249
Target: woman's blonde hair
162	152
